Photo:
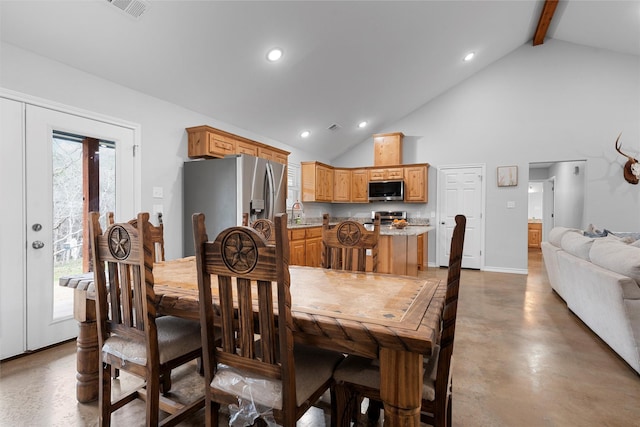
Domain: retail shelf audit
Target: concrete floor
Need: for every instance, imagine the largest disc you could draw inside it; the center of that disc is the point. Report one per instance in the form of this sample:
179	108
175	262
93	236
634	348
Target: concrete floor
521	359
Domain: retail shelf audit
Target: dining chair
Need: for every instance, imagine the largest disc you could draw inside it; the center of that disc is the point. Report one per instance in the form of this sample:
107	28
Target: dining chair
263	226
156	233
359	377
258	378
345	245
130	335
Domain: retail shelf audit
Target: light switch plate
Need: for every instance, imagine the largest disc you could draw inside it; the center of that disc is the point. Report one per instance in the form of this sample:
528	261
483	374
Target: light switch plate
158	193
511	204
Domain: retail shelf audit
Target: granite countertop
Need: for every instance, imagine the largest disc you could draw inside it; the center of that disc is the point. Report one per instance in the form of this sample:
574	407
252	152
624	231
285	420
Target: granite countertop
385	230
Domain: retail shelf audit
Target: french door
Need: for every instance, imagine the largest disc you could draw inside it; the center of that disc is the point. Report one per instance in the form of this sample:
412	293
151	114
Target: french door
460	191
43	311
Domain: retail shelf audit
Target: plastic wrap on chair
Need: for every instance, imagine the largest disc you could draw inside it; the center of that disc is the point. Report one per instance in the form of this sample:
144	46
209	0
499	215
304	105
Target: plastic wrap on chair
257	396
125	350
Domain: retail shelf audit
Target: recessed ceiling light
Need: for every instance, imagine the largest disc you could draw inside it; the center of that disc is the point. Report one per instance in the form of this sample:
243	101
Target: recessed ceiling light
305	134
362	124
469	56
274	54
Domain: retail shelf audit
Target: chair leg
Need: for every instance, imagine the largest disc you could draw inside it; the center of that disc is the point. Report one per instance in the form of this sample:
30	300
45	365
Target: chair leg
165	382
104	396
344	407
153	403
373	411
211	411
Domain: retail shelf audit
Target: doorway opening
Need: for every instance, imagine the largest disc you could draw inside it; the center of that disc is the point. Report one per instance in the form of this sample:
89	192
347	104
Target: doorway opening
556	196
83	180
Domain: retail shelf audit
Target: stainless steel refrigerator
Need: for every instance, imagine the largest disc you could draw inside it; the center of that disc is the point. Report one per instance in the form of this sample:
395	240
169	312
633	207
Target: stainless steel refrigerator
224	189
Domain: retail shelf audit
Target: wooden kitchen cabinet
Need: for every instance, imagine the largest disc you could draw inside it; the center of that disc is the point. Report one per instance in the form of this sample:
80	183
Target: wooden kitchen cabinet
317	182
341	185
313	246
305	246
535	234
415	180
208	142
297	246
359	186
387	149
385	174
243	147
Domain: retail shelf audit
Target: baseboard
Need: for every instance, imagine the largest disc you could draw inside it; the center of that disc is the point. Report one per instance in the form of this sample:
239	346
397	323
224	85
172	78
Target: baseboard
506	270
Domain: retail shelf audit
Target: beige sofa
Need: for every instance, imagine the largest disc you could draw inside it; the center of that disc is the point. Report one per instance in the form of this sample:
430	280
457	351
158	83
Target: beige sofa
599	279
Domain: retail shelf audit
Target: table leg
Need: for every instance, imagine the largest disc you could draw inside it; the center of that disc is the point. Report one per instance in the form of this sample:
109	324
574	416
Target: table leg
87	357
401	387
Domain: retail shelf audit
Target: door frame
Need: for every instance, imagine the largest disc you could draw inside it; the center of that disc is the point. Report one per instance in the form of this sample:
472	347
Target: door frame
20	274
439	207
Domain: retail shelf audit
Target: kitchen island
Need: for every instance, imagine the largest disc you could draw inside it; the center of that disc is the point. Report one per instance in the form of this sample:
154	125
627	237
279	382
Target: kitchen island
400	251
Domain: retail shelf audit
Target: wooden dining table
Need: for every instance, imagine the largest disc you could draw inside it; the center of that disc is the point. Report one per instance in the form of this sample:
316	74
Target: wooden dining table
393	318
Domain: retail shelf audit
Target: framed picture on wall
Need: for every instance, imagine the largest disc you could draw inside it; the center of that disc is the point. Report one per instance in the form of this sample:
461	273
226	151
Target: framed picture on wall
507	176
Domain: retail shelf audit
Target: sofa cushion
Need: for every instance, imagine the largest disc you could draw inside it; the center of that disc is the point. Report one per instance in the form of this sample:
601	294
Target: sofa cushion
616	256
578	245
556	233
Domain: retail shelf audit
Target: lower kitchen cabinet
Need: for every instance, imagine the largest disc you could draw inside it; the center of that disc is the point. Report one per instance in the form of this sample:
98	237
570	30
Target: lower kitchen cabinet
305	246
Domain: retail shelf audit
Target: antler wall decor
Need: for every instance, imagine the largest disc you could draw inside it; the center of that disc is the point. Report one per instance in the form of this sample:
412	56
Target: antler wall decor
631	168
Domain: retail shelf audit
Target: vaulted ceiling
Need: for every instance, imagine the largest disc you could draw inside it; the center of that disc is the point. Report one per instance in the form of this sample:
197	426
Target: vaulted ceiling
344	61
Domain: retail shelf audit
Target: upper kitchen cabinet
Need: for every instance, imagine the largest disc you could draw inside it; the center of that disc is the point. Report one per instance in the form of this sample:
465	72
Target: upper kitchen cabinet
415	183
341	185
359	185
317	182
386	174
208	142
387	149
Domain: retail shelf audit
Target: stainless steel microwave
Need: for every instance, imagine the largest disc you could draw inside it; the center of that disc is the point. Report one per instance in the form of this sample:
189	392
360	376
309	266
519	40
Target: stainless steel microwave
386	190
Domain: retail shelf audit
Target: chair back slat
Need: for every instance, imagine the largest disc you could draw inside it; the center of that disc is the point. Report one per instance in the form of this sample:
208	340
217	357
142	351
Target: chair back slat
345	245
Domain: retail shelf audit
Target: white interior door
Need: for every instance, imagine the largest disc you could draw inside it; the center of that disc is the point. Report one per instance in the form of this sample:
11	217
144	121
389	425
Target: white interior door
460	191
49	319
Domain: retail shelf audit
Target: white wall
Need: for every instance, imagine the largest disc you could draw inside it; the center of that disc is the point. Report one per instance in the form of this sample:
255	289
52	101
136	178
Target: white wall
558	101
164	139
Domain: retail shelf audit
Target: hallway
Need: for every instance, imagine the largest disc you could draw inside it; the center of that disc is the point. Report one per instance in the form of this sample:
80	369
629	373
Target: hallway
521	359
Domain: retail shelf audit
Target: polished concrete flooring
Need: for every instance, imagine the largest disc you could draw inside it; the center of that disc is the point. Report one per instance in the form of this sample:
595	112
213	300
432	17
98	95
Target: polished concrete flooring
521	359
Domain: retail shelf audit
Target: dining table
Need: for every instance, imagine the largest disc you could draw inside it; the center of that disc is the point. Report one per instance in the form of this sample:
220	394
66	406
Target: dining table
395	319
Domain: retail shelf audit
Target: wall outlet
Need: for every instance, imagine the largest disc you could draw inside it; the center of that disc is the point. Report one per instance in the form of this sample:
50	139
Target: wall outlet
157	209
511	204
158	193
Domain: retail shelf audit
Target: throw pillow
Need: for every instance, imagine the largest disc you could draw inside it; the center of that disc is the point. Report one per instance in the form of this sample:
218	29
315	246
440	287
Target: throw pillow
627	236
593	231
578	245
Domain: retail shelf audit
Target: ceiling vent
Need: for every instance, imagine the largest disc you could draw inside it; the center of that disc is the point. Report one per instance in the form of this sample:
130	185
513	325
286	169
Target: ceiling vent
334	127
133	8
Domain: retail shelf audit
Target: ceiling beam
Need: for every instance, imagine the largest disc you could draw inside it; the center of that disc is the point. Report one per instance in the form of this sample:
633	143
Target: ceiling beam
545	19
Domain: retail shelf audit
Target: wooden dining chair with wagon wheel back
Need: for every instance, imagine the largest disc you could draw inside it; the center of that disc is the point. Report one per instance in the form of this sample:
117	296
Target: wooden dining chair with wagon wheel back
345	245
263	226
259	378
130	335
359	377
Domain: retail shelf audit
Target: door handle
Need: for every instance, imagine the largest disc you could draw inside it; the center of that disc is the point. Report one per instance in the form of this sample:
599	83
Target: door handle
38	244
